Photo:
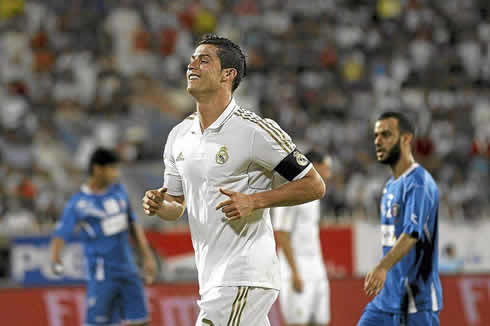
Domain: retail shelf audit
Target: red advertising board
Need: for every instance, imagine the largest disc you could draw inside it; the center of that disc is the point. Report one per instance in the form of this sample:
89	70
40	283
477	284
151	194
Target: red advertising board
336	247
337	250
466	302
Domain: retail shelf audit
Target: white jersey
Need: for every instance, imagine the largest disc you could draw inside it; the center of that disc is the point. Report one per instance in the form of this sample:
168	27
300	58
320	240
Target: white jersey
302	221
240	152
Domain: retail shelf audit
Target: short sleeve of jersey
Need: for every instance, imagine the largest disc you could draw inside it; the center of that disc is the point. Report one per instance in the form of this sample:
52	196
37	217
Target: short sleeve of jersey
416	212
284	218
172	179
66	225
273	149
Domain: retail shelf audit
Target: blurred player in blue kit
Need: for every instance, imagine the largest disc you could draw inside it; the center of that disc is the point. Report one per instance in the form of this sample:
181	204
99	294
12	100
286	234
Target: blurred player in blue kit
406	281
102	214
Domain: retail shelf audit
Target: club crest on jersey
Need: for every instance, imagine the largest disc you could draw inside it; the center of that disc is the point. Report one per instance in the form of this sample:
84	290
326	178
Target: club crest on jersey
180	157
395	209
222	155
300	158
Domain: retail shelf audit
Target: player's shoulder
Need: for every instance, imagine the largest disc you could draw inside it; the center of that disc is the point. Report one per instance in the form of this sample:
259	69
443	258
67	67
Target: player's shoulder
184	125
249	117
420	177
253	121
77	198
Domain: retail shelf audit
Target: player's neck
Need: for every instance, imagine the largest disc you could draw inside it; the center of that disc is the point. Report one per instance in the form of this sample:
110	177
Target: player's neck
211	107
404	163
96	186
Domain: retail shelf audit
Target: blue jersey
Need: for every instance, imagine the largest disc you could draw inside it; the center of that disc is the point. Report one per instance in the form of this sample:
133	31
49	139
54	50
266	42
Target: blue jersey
410	205
103	222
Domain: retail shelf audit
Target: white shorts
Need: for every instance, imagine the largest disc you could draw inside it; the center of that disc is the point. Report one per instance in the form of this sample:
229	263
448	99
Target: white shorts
236	306
311	305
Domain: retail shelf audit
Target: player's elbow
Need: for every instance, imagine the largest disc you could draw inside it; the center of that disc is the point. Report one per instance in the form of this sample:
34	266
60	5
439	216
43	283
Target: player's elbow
318	188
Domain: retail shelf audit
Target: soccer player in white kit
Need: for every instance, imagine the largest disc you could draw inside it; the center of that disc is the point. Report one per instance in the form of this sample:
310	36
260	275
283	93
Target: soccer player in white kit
305	293
219	164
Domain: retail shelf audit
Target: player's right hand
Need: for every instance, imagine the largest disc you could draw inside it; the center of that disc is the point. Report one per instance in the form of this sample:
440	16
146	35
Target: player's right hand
153	200
297	283
57	268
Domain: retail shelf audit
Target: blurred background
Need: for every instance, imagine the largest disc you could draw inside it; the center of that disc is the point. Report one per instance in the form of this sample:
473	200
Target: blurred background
76	74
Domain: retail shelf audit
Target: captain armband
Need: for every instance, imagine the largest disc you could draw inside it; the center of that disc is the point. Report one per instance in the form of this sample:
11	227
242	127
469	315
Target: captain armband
292	165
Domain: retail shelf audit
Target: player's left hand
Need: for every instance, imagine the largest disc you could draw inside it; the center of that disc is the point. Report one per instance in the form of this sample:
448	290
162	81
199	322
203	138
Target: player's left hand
375	280
149	269
237	206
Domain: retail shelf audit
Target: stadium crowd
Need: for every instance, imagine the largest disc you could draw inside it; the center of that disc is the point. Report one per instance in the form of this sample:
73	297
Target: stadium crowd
82	73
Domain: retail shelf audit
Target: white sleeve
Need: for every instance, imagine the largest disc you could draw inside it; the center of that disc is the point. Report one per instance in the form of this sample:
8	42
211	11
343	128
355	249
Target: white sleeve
273	149
172	179
284	218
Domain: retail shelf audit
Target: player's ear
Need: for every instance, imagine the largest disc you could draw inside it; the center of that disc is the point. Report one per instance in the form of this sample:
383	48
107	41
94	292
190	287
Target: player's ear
229	74
407	138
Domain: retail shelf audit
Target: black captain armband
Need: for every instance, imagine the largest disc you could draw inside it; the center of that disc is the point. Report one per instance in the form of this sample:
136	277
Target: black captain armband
292	165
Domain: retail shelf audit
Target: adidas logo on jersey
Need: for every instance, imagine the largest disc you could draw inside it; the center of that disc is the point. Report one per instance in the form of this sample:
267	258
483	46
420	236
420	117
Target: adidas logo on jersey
180	157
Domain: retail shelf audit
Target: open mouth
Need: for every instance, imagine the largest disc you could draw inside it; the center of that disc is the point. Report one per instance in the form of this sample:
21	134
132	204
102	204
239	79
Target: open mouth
193	77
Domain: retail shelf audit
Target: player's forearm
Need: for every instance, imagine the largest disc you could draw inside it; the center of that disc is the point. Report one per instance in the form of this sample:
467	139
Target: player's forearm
57	245
173	208
306	189
402	246
284	243
141	240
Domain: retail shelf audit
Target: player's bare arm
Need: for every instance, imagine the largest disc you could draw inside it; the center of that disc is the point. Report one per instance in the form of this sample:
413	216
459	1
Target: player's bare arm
149	263
310	187
374	282
167	207
56	247
284	242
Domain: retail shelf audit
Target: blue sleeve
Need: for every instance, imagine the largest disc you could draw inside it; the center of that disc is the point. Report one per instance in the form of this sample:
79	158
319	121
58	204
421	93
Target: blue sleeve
416	212
66	225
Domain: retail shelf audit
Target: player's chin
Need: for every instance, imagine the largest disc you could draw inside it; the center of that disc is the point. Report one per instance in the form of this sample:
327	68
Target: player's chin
191	88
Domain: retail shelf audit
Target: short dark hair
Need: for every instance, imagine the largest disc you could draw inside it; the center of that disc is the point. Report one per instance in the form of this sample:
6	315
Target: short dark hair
102	156
314	156
405	125
229	54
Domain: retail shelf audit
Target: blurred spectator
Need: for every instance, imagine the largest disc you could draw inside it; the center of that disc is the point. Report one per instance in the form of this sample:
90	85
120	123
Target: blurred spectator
114	76
449	262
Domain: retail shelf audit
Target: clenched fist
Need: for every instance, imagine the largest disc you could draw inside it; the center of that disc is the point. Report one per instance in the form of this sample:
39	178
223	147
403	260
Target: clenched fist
153	200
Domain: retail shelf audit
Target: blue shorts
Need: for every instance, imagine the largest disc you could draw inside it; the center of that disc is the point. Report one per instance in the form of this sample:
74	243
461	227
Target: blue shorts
373	316
110	302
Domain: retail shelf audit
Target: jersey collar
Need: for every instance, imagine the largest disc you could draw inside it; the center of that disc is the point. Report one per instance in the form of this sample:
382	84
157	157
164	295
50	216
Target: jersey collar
86	190
218	123
410	169
225	116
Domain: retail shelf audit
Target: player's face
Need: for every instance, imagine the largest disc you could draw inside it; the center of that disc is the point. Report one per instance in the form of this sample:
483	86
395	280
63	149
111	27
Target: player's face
107	174
387	141
204	73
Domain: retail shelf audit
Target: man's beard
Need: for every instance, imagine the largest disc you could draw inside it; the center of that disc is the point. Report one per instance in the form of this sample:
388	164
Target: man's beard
393	156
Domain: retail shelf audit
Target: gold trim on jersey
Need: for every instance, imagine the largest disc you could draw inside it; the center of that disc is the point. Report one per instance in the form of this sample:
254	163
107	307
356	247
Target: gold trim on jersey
238	306
277	134
192	116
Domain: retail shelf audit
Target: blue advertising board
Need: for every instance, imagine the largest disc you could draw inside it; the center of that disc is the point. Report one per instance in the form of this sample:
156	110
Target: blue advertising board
30	262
